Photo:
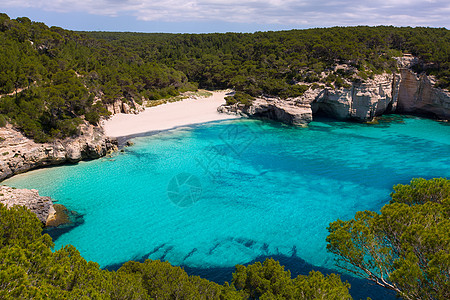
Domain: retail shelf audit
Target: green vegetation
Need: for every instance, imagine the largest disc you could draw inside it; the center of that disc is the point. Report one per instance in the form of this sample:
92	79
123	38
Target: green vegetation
275	63
239	97
406	247
30	270
185	95
53	79
270	281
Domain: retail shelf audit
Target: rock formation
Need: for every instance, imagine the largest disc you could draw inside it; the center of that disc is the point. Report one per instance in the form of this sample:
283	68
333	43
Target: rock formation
287	112
418	96
406	93
19	154
41	206
119	106
362	102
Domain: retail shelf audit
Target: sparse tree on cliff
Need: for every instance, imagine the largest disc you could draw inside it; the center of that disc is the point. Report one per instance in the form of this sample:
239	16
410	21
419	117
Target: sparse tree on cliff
406	248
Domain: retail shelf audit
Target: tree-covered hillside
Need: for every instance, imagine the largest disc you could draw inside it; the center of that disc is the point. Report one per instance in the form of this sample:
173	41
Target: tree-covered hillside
65	77
275	62
52	79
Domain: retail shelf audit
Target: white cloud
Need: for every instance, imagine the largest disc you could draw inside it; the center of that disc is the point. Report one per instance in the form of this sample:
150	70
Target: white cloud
317	13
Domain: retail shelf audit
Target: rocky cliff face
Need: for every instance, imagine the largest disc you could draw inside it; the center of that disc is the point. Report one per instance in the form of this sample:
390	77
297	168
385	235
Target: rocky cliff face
41	206
418	96
19	154
362	102
387	93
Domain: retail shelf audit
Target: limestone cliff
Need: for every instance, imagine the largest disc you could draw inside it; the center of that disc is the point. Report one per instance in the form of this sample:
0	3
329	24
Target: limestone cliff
41	206
362	102
406	92
120	106
19	154
418	96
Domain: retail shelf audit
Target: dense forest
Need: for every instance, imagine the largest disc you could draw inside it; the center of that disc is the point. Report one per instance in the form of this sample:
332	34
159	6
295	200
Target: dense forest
53	79
277	63
405	248
65	77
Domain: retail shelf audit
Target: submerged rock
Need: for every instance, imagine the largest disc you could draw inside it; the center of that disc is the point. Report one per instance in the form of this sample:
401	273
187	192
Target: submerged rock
59	217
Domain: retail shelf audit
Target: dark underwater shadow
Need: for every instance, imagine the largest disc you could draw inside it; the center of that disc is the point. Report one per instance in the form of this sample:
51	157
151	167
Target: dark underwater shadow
76	220
360	288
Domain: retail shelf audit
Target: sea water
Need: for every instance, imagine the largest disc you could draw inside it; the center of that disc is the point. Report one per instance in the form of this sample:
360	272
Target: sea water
226	193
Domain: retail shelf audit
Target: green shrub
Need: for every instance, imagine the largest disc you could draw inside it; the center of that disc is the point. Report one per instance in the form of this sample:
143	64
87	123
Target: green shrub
2	120
239	97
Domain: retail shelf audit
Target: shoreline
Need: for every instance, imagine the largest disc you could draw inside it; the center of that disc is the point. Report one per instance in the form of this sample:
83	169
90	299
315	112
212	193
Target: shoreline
122	140
167	116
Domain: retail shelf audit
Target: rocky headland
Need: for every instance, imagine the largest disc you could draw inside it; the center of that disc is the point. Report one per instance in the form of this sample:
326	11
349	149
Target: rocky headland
403	93
19	154
41	206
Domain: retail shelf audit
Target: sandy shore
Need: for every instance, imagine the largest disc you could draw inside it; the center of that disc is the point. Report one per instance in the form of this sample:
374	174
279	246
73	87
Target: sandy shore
168	116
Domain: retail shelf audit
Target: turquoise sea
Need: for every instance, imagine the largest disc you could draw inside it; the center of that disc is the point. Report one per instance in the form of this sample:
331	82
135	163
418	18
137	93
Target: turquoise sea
211	196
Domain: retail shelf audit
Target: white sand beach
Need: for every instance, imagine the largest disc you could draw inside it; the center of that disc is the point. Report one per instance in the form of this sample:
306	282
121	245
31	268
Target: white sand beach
168	116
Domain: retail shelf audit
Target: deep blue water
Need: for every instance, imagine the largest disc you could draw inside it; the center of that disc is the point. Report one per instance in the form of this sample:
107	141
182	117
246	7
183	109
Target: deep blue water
212	196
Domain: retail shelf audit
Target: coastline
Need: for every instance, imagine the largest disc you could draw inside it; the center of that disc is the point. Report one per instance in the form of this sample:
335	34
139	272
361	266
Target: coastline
168	116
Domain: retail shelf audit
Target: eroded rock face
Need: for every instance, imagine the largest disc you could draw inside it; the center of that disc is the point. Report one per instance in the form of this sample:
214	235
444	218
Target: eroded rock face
19	154
387	93
41	206
418	96
119	106
362	102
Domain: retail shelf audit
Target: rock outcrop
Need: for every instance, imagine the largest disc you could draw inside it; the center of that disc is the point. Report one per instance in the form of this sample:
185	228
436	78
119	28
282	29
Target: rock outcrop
41	206
387	93
19	154
362	102
418	96
287	112
119	106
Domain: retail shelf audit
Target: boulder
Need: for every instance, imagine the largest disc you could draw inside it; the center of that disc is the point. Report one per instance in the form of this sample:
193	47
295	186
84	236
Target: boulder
41	206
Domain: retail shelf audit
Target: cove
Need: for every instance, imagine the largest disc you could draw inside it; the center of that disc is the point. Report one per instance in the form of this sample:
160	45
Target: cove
211	196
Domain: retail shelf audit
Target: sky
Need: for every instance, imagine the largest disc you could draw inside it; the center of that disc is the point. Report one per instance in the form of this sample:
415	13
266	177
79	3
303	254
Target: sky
203	16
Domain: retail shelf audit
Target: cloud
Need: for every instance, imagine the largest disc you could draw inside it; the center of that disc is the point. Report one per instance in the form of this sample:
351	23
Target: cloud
304	13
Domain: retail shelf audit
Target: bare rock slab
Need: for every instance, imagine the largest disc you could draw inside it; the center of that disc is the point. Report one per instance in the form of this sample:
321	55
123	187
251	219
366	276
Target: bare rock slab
40	205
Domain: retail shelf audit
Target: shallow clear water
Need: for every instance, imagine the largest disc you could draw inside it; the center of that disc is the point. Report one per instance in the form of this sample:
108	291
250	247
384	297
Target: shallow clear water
225	193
